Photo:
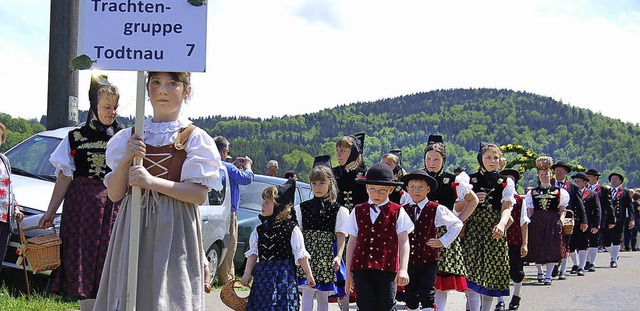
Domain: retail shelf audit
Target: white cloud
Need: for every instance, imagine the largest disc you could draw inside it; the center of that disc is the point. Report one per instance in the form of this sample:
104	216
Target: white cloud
288	57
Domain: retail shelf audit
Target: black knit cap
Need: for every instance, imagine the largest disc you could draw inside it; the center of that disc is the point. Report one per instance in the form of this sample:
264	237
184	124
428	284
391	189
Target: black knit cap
379	174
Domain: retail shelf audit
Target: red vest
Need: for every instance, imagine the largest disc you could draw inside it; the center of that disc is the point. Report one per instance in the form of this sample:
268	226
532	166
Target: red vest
425	229
377	243
514	233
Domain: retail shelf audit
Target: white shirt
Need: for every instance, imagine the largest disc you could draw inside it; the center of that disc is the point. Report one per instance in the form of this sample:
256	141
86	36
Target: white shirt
61	158
464	187
297	245
341	217
564	199
403	223
202	165
444	217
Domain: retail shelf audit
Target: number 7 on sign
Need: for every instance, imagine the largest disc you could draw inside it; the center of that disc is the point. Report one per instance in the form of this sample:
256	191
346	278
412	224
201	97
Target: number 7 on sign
191	47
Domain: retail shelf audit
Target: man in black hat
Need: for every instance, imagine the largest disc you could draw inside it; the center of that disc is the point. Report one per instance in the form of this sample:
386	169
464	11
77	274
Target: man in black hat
378	247
623	213
427	216
606	216
580	240
576	205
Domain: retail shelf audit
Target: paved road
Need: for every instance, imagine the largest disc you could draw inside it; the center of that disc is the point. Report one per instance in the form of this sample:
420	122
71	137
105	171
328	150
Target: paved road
605	289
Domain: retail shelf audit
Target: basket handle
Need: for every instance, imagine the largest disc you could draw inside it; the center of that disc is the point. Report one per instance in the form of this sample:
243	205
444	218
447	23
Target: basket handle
21	231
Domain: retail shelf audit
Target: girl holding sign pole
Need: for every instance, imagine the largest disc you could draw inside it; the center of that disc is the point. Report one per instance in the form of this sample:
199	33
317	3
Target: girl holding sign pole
181	162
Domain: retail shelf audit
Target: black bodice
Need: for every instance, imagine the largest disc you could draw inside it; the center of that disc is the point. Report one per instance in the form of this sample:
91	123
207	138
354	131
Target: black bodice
88	147
492	184
350	193
319	214
445	194
274	240
546	198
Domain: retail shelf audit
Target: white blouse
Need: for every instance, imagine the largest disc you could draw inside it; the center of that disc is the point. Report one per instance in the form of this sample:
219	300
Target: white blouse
403	223
297	245
202	164
564	199
341	217
61	158
464	187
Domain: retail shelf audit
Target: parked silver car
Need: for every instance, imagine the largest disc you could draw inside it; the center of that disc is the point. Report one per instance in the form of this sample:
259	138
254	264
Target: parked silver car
33	180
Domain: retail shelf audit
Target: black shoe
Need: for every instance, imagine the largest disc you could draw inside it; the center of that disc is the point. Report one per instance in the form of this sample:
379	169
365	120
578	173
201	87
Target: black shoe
592	268
574	269
580	272
515	303
554	273
499	306
613	264
562	276
540	277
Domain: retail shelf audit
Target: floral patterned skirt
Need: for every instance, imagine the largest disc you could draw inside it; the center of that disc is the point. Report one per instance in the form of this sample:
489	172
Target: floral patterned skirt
274	286
322	248
451	269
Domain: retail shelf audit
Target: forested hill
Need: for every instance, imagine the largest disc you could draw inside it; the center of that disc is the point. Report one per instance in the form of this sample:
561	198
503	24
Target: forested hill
465	117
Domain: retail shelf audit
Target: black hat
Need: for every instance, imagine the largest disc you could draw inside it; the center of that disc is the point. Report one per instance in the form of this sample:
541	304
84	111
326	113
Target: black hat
593	172
286	194
479	156
359	140
561	164
617	174
435	139
322	160
379	174
511	172
421	175
580	175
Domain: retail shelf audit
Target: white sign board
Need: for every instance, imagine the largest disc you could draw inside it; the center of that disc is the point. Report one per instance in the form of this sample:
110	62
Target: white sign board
153	35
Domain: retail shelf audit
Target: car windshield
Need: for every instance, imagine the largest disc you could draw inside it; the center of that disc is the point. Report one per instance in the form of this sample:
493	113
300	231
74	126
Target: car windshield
31	158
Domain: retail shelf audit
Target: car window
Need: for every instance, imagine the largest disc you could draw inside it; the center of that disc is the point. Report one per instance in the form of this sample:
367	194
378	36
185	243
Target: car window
305	194
218	191
251	195
33	154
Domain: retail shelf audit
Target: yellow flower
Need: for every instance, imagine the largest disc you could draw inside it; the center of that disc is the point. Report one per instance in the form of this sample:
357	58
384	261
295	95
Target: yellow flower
509	146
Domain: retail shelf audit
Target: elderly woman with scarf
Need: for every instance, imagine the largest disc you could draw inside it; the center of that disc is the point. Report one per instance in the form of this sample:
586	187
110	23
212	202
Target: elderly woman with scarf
456	194
88	214
279	244
485	244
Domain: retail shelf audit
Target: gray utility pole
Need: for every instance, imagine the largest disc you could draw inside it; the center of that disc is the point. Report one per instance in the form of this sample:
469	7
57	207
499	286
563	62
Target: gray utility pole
62	95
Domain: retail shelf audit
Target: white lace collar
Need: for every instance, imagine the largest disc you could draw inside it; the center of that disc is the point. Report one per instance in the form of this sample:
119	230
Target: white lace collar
165	127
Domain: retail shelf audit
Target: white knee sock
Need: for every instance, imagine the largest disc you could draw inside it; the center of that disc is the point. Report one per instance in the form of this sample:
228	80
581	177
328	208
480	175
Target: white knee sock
501	299
582	255
563	266
87	304
441	299
474	300
593	252
322	301
344	303
574	260
539	266
615	250
487	302
517	287
549	270
307	299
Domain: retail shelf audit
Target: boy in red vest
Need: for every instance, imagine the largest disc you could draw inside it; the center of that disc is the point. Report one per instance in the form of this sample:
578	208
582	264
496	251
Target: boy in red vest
427	217
378	248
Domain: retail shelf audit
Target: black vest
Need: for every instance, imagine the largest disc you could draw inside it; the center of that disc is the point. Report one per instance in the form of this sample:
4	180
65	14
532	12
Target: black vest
88	147
445	194
318	214
274	241
492	184
350	193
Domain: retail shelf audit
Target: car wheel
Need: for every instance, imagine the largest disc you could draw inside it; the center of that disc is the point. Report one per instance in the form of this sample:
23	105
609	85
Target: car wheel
213	255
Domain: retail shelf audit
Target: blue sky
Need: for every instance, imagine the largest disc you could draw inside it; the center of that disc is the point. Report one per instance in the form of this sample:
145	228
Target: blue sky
277	57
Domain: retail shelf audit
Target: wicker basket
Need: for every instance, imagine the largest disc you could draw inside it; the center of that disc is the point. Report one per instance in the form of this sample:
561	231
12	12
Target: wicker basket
43	252
567	225
230	298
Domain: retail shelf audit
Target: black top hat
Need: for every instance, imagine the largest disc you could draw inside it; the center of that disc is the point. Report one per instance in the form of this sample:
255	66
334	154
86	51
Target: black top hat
561	164
286	195
593	172
616	174
511	172
421	175
435	139
580	175
379	174
322	160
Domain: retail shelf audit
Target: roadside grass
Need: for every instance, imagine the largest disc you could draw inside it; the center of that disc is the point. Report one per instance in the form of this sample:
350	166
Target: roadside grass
37	302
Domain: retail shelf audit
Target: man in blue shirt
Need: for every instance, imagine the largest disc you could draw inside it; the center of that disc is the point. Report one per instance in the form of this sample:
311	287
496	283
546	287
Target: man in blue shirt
239	174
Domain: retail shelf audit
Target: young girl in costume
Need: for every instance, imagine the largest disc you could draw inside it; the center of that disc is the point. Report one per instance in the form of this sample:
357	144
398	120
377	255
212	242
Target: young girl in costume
320	219
485	244
279	244
455	193
181	163
88	214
